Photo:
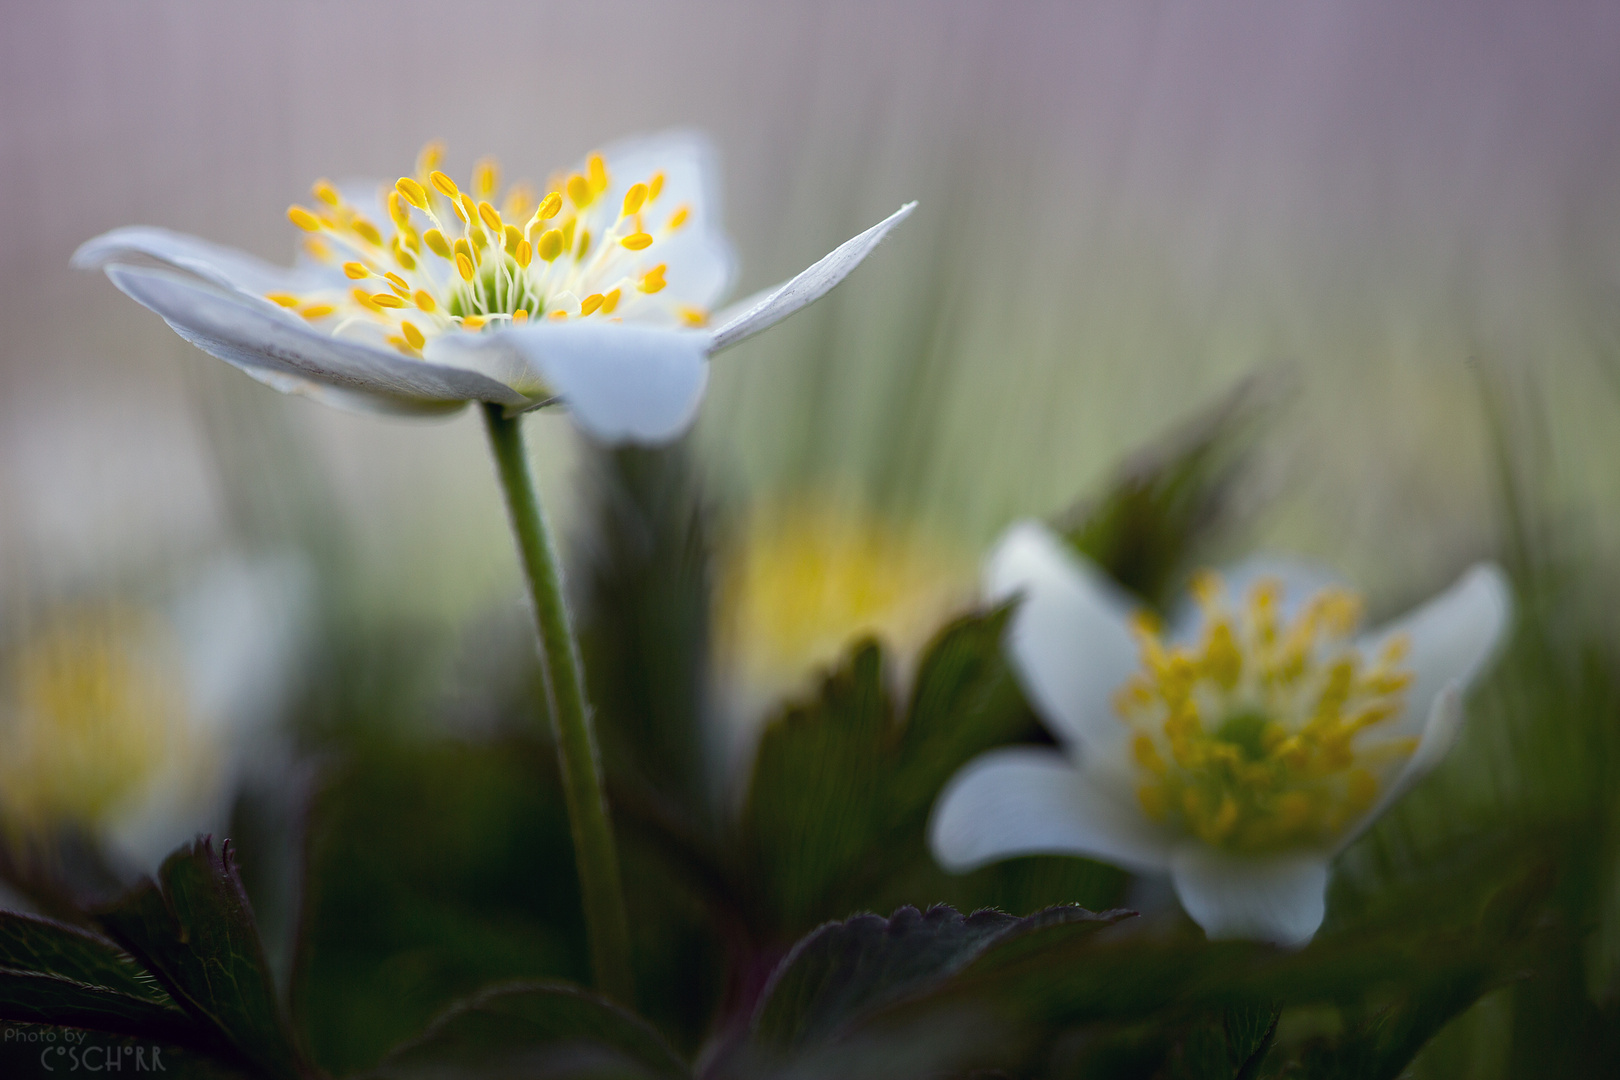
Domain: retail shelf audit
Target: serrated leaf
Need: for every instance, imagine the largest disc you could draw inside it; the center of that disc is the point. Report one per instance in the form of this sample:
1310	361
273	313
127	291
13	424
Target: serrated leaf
535	1031
195	932
32	944
38	998
846	971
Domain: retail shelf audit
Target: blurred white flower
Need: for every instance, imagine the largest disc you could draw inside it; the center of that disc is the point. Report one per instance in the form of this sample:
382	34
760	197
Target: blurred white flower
597	294
1239	753
133	724
798	584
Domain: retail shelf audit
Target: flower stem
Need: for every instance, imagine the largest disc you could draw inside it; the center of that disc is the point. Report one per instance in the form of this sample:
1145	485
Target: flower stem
606	922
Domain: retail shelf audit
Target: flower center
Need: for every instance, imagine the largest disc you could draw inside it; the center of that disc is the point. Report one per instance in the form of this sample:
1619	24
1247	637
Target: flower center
453	260
1249	738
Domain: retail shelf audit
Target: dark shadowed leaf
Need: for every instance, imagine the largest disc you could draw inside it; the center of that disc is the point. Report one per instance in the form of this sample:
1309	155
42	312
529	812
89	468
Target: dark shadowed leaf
194	930
534	1031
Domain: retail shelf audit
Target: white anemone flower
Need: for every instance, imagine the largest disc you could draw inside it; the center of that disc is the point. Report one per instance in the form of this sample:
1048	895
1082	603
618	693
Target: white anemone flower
597	294
135	723
1239	752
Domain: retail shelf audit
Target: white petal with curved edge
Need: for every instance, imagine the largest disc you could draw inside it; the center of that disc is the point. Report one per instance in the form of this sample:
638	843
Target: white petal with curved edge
700	260
215	263
621	382
1452	638
1031	801
255	334
1300	580
1440	733
806	288
1069	639
1275	898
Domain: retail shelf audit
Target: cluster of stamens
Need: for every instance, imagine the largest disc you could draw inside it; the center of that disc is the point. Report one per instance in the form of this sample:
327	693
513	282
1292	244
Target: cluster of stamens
455	261
1249	737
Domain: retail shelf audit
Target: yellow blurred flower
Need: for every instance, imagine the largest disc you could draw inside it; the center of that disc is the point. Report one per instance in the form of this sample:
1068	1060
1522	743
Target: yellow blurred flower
799	583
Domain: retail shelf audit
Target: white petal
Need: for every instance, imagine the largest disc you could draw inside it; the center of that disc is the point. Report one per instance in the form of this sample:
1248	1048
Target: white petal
258	337
1452	638
1274	898
1032	801
621	382
807	287
215	263
701	263
1440	731
1069	640
1300	580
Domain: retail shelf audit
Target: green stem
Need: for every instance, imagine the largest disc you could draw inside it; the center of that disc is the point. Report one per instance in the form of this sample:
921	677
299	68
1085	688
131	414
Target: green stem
601	892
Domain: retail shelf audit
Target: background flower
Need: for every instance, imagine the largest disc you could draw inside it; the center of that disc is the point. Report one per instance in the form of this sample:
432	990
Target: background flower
1240	756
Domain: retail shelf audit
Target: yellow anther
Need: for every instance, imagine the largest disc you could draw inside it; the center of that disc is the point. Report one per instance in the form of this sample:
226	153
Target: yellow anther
654	186
596	169
462	247
387	300
692	316
491	216
1147	755
473	322
610	301
589	305
558	316
398	284
518	202
303	218
548	207
355	271
404	258
317	311
429	158
550	244
436	243
513	238
521	315
678	218
464	267
584	244
486	177
368	232
579	191
443	184
284	299
326	193
412	192
524	254
634	199
653	280
412	335
467	209
424	301
317	249
364	299
398	211
637	241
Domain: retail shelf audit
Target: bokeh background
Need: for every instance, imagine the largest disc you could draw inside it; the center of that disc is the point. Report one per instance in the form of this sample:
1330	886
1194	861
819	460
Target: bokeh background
1407	216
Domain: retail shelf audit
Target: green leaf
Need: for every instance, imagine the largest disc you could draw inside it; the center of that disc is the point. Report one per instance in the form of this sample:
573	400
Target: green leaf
30	944
1170	501
195	932
535	1031
847	970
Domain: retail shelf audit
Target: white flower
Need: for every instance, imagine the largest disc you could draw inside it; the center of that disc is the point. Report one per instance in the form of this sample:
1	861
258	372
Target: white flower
134	723
1239	753
598	293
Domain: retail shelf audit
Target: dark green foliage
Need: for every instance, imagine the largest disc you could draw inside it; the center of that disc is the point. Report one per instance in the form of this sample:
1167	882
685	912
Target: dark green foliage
534	1032
194	931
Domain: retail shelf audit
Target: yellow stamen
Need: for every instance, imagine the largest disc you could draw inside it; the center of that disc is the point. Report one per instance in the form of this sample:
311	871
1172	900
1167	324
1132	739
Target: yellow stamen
590	303
692	316
430	157
412	335
524	254
610	301
634	198
558	316
473	322
355	271
678	218
548	207
424	300
412	192
596	169
387	300
326	193
398	284
367	231
464	267
443	184
521	315
584	245
579	191
284	299
653	280
398	212
317	311
364	299
491	216
513	239
436	243
550	244
486	177
654	186
303	219
637	241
